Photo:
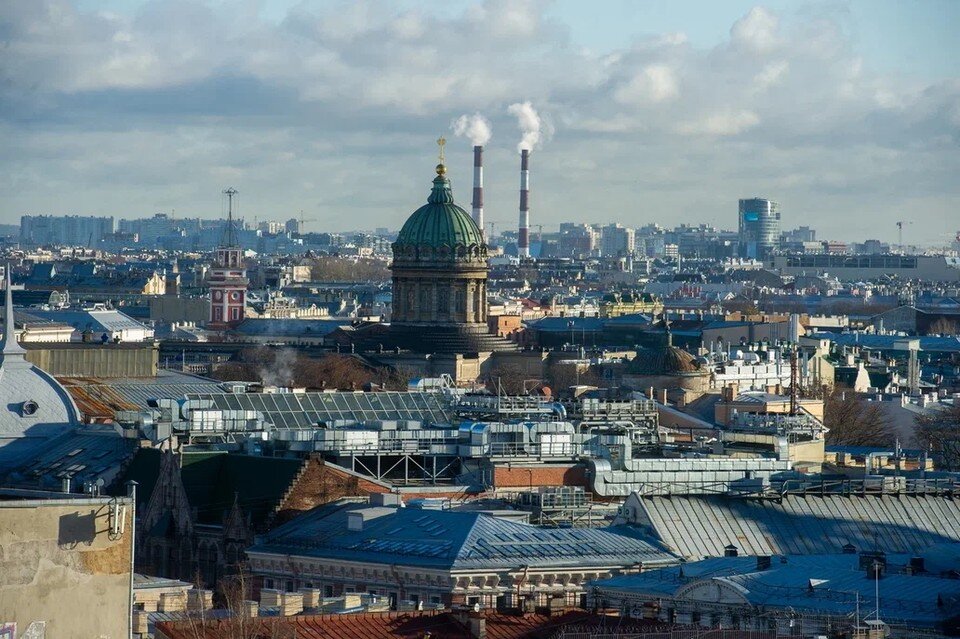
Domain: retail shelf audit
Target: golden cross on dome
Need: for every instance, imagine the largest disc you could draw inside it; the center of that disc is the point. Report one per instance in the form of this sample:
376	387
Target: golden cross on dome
441	142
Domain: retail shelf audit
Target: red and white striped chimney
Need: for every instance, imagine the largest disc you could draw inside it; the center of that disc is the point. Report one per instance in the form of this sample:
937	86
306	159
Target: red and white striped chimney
523	239
478	188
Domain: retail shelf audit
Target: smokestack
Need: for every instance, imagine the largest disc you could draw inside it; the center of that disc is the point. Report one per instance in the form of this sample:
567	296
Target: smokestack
523	240
478	188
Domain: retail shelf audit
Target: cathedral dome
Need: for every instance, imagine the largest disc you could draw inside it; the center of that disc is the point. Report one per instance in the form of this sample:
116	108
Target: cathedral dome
440	230
34	407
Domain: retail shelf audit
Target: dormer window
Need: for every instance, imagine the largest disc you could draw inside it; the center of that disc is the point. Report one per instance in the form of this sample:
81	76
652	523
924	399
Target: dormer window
29	408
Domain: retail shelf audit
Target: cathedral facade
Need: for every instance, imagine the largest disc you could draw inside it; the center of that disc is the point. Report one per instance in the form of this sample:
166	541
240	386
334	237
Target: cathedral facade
439	275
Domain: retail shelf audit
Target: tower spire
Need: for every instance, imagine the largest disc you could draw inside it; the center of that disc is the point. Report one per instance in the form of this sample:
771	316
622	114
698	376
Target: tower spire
10	348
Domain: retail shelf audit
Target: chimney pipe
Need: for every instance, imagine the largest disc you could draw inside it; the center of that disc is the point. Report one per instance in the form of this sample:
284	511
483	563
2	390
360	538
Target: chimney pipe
478	188
523	239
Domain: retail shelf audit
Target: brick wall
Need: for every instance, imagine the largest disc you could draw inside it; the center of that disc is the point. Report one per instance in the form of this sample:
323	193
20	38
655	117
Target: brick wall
535	475
321	483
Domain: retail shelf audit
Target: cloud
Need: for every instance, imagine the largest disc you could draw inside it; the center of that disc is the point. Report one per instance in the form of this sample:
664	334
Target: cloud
730	123
653	83
758	30
148	110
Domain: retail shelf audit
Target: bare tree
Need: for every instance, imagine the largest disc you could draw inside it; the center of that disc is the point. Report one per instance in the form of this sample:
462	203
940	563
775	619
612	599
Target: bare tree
943	326
853	421
507	379
562	376
235	620
939	432
287	367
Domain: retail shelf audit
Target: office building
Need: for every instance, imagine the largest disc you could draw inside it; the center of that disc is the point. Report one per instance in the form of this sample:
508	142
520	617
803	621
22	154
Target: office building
759	227
617	241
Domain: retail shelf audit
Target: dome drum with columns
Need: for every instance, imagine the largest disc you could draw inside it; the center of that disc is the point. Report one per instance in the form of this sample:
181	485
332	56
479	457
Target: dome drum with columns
440	279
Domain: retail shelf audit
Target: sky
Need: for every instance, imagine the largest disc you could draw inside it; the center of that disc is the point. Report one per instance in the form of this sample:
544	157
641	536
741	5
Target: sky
656	111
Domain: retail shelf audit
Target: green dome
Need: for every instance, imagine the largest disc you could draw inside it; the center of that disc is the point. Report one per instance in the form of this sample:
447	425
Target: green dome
440	222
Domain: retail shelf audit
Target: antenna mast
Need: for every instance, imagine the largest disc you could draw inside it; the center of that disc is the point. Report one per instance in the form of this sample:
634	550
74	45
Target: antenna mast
229	232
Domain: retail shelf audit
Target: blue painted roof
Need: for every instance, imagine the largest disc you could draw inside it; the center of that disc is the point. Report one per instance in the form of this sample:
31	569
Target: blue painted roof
453	540
290	327
560	324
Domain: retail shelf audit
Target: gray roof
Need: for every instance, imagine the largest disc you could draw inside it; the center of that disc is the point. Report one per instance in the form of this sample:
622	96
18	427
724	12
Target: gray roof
98	321
82	455
306	410
454	540
33	406
822	584
698	526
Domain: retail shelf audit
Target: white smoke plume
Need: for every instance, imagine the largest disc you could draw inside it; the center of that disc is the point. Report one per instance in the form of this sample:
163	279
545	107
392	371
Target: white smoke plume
279	371
530	123
476	127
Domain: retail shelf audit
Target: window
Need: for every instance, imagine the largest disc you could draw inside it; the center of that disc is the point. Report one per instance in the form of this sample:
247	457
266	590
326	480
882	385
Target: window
235	313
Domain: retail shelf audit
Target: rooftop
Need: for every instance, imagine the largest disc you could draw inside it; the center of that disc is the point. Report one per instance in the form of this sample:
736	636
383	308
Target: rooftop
451	539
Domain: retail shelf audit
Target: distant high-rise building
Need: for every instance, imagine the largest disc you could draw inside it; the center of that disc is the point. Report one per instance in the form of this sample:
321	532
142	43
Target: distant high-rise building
800	234
64	230
759	227
617	241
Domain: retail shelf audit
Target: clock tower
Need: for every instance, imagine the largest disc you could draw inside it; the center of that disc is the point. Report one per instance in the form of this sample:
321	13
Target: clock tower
228	277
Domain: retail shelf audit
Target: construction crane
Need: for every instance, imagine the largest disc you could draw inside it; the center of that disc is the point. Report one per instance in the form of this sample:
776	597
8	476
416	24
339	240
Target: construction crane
301	220
900	224
539	233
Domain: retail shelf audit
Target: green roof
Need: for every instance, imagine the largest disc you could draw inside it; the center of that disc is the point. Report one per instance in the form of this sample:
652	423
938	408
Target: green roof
212	479
440	222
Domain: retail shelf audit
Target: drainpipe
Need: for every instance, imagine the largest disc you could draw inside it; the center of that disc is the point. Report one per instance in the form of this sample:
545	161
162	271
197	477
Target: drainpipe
132	493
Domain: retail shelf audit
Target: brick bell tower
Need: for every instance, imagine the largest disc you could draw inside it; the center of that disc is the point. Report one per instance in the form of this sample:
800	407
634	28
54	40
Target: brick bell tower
228	277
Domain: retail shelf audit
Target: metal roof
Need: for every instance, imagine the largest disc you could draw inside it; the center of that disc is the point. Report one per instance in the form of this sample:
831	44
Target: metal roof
102	397
82	455
453	540
698	526
307	410
821	584
440	222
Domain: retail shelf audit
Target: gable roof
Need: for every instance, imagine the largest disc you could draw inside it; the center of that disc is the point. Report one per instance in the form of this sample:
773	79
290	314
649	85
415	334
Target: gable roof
213	480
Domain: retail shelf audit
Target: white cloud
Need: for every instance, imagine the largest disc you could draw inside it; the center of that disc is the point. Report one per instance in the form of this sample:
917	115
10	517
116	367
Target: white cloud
135	112
728	123
653	83
758	30
770	75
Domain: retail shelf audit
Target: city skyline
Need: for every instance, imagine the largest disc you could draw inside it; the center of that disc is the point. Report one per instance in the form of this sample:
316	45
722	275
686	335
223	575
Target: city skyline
280	101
